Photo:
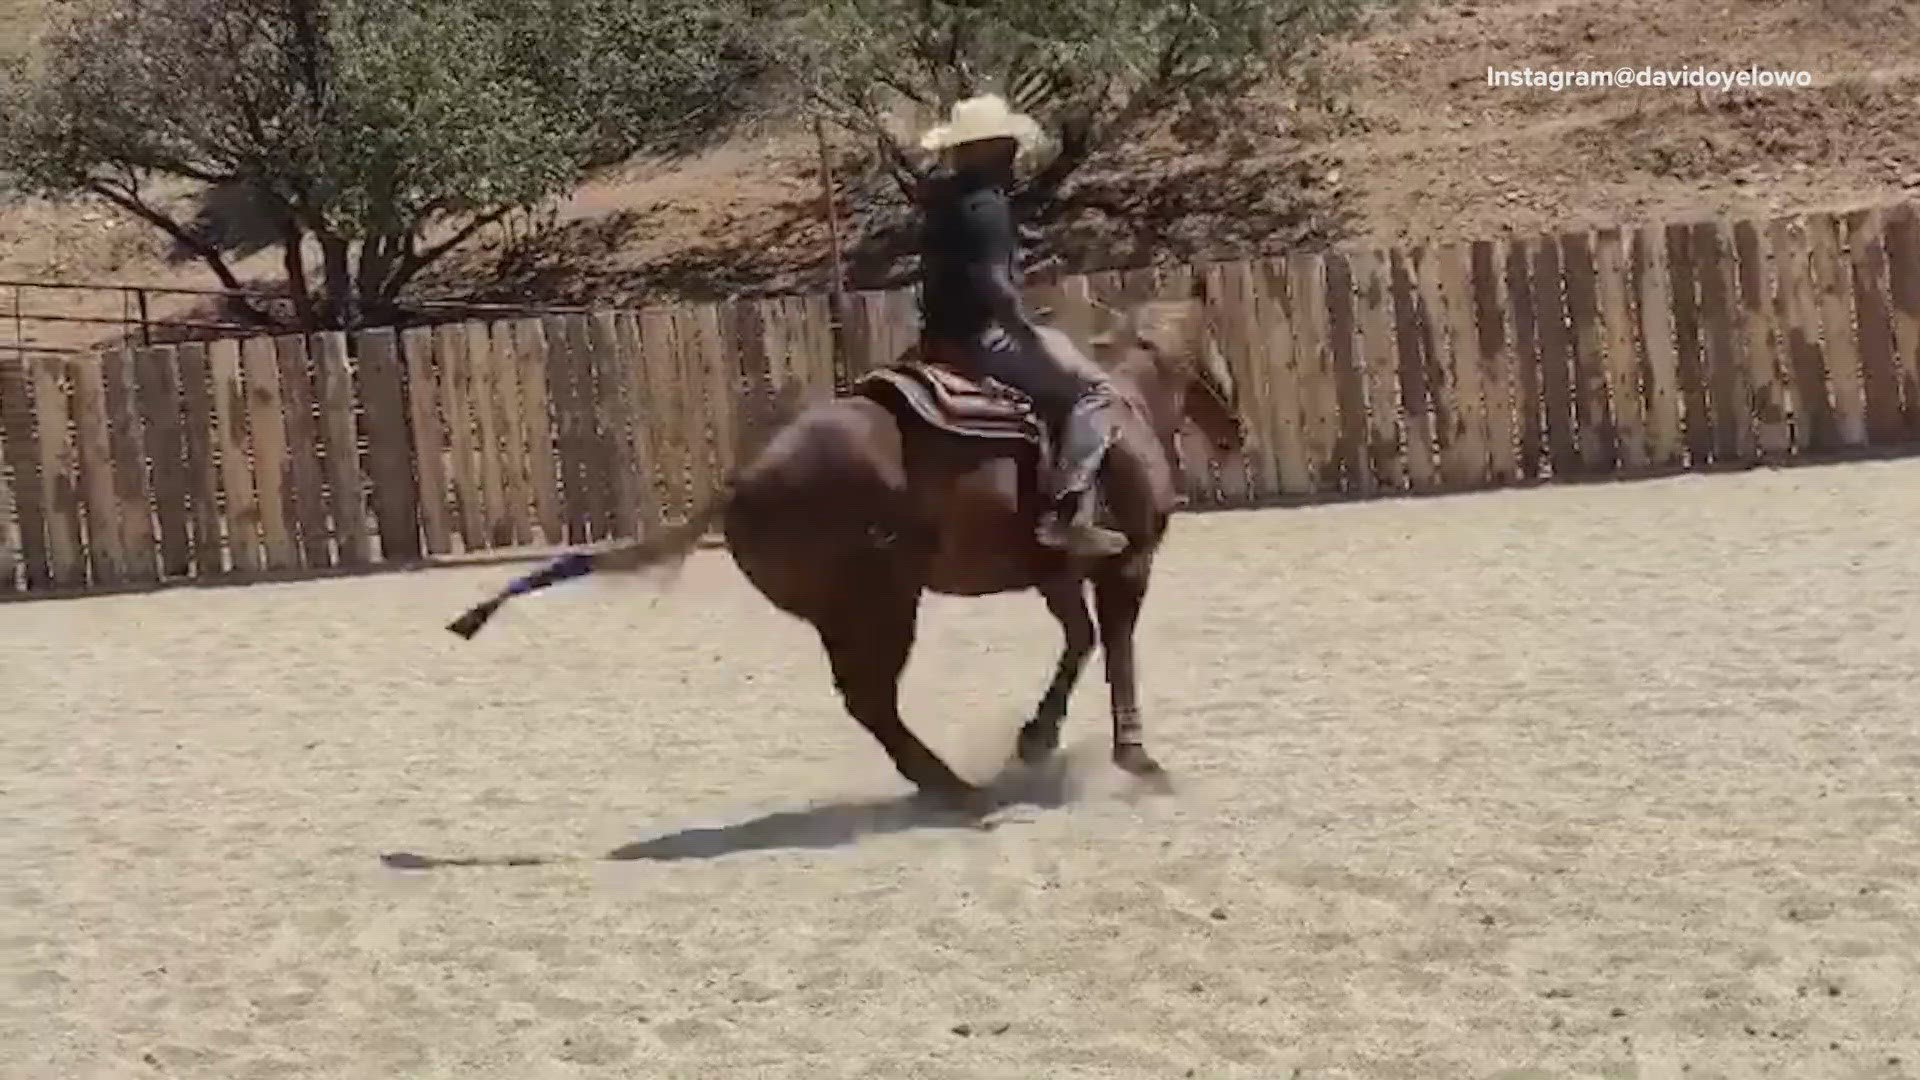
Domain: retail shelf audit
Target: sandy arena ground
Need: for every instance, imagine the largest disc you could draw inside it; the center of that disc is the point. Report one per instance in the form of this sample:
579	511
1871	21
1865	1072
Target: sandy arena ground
1597	782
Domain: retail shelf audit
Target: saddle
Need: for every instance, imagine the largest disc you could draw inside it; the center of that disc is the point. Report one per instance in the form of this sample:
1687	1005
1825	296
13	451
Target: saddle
957	404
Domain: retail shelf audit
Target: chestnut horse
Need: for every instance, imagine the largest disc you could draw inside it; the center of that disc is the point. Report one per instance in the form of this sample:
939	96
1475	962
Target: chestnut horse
855	507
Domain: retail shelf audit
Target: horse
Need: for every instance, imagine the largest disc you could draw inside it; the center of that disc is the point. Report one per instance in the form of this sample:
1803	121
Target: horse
920	480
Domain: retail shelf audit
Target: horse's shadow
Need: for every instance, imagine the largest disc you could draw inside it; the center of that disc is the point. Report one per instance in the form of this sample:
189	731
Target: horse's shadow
827	825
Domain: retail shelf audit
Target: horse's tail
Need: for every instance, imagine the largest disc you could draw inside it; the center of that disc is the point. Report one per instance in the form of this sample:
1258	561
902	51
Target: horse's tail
668	547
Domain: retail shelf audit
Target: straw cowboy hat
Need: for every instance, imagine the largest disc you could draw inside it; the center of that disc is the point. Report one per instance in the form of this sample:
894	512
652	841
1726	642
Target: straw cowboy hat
978	119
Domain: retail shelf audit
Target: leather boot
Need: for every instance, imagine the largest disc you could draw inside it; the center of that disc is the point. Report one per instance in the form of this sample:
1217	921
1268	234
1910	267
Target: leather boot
1075	533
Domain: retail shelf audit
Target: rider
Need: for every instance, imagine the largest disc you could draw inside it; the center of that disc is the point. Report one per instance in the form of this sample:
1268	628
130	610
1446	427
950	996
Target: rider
971	304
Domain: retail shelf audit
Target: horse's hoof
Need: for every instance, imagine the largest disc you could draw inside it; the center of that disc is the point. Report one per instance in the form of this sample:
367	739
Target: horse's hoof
1136	762
1037	742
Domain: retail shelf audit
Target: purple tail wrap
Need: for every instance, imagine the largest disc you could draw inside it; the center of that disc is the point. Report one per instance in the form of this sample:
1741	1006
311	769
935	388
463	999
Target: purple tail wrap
571	565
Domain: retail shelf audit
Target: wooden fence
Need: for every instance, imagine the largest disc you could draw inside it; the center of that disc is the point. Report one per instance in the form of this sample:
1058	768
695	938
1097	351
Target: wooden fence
1368	373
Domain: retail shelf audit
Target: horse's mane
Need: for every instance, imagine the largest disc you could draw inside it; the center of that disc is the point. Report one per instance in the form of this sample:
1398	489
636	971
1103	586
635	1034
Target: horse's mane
1172	327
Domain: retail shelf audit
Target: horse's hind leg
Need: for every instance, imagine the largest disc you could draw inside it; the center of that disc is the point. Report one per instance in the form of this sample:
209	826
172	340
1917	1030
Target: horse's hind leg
867	640
1066	598
1119	590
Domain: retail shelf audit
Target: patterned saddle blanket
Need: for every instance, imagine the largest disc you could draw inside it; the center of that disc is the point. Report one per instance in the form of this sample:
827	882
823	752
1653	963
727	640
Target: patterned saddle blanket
951	402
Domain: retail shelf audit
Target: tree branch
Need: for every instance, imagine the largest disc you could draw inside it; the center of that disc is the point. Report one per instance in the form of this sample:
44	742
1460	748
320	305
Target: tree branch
861	120
129	200
295	263
311	56
1077	145
903	88
377	255
1082	200
139	159
249	113
414	260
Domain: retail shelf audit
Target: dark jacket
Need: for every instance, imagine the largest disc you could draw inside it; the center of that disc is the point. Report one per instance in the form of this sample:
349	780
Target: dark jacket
966	225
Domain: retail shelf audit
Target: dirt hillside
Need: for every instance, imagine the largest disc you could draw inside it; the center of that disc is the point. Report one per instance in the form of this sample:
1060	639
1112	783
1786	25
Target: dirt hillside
1406	140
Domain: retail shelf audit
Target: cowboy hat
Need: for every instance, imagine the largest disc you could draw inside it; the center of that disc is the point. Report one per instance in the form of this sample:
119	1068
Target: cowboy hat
978	119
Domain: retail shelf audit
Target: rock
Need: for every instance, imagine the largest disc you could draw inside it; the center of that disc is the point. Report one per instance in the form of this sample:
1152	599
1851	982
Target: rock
964	1030
1218	914
1911	180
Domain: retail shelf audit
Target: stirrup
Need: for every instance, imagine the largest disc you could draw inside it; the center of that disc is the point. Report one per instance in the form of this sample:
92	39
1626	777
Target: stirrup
1089	541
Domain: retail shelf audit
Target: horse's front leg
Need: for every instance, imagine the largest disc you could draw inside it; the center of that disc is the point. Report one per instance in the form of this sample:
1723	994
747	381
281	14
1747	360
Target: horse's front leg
1066	599
1119	590
868	635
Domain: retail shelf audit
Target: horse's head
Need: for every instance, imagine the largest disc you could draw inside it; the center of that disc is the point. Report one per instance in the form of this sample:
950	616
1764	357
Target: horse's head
1189	373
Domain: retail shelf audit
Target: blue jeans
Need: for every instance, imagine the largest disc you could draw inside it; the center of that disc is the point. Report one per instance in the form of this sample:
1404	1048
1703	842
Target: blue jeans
1071	393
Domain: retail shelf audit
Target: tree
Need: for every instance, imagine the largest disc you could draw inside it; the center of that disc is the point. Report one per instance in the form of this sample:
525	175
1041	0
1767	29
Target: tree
381	133
1092	71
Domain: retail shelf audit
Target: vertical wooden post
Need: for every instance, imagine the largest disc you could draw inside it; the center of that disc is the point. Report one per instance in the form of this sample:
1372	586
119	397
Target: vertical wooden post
837	282
146	325
22	446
